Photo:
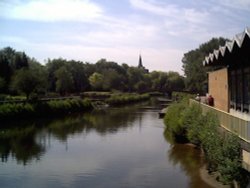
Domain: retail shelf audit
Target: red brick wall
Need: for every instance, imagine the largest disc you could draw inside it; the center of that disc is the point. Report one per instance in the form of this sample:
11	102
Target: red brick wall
218	88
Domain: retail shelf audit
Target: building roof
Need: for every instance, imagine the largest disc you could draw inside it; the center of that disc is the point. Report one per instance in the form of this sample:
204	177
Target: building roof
238	42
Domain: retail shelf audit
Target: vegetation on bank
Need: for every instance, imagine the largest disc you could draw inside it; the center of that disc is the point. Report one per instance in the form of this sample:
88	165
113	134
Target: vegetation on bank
222	152
41	108
126	98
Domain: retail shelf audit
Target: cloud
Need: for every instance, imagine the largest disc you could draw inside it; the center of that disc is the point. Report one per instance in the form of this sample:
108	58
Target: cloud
236	4
51	10
171	11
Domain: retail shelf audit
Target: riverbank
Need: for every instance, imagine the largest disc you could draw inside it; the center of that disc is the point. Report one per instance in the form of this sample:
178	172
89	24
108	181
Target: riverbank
43	108
223	153
48	108
210	178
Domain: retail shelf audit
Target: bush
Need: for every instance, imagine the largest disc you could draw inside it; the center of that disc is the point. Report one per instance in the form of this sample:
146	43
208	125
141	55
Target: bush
39	109
119	99
174	119
222	153
194	123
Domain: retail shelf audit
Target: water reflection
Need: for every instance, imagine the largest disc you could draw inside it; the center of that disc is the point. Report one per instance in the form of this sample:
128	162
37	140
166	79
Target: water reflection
121	147
27	140
190	161
20	144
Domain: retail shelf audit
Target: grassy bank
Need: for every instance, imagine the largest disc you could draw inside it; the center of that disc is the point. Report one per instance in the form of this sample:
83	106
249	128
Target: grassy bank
43	109
187	123
120	99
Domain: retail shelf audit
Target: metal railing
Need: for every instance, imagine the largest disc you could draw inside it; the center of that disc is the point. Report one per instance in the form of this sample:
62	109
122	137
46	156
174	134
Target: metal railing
228	121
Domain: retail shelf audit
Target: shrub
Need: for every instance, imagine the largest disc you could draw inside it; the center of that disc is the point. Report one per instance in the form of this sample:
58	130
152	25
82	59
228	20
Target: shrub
193	120
39	109
119	99
174	119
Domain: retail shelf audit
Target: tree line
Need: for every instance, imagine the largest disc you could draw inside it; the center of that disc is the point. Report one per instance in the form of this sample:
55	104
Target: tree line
20	74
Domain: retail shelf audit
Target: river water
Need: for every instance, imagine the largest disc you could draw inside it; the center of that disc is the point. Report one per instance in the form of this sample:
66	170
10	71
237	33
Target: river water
118	147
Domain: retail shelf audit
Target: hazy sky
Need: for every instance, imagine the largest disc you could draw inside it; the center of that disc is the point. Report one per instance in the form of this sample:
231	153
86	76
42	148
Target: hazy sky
119	30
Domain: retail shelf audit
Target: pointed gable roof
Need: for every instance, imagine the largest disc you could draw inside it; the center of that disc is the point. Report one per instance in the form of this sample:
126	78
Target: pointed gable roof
240	41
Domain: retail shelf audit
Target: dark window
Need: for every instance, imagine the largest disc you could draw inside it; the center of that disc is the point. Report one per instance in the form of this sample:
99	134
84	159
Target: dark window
246	88
233	89
239	90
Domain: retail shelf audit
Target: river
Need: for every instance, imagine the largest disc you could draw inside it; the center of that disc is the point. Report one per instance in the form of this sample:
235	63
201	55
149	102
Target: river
117	147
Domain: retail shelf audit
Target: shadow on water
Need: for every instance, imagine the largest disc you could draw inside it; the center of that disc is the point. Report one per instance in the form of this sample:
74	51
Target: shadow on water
190	161
26	140
189	158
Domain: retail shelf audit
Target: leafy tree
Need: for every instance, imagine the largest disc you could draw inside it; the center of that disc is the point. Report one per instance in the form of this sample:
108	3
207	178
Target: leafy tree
64	80
195	72
141	86
10	61
135	75
41	74
112	80
52	66
175	82
80	81
2	83
96	81
26	81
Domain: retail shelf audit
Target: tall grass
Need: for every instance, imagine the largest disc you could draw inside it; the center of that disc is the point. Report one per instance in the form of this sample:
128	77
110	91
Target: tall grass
41	109
120	99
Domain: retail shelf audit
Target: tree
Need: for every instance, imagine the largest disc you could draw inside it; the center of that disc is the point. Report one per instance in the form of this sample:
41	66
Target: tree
41	74
112	80
175	82
96	81
52	66
26	81
64	80
135	75
195	72
2	83
10	61
80	81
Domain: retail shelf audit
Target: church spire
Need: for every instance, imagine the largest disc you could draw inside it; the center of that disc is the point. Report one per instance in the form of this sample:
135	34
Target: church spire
140	62
140	66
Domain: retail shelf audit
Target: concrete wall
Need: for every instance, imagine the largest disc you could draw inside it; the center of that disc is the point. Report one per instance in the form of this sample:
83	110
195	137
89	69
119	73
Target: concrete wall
218	88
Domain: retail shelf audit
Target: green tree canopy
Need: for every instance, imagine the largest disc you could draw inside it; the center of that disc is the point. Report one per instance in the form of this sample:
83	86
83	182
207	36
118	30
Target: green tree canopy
64	80
26	81
195	72
96	81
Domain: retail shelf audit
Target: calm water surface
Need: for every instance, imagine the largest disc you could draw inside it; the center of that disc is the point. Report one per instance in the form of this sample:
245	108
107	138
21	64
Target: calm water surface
122	147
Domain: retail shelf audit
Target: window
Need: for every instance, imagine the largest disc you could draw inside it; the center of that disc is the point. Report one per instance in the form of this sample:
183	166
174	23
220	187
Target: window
239	88
246	88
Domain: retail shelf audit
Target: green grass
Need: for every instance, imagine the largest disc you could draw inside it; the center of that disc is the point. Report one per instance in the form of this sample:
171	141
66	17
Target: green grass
120	99
41	109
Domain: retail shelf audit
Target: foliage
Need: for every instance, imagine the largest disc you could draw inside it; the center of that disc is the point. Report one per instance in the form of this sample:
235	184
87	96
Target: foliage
174	119
64	80
26	81
126	98
96	81
10	61
41	109
222	153
195	72
2	83
193	123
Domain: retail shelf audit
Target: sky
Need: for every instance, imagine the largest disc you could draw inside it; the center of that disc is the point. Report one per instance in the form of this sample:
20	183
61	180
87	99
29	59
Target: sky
119	30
